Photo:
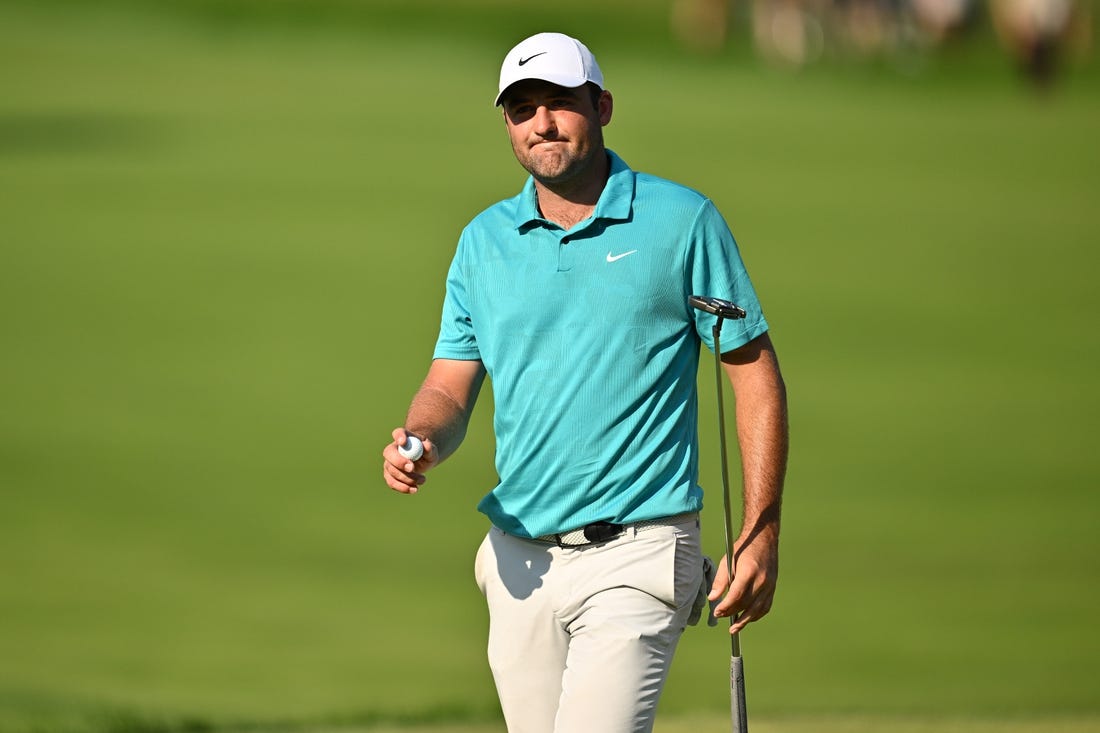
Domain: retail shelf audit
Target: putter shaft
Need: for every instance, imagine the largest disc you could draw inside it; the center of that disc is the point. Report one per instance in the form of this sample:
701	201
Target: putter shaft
737	666
735	642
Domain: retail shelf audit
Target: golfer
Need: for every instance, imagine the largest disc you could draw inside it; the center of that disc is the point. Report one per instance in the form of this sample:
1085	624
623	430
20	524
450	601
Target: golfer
573	298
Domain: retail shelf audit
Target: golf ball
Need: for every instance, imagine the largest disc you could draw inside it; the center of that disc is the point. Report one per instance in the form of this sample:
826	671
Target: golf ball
413	448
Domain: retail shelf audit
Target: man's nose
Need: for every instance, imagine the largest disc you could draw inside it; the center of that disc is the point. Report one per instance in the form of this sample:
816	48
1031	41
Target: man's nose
544	121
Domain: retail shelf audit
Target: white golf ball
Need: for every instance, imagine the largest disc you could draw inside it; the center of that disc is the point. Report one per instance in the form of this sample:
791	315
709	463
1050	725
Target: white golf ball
413	448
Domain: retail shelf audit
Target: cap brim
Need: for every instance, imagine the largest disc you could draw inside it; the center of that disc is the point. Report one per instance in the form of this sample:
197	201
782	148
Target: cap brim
562	80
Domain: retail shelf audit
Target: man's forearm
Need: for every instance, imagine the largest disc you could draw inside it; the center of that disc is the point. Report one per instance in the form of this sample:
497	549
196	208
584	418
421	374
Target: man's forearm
763	436
762	432
435	415
440	411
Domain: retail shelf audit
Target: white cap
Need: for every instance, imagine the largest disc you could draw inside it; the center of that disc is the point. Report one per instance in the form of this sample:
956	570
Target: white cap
552	57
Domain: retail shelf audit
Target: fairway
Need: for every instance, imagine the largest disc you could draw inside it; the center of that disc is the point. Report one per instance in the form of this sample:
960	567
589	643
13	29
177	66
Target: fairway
223	238
839	724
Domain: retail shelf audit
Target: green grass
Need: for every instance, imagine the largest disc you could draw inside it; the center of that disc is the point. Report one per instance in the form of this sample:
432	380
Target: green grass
815	724
222	247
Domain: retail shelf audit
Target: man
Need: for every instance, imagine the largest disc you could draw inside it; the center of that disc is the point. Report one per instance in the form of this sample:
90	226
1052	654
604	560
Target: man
573	298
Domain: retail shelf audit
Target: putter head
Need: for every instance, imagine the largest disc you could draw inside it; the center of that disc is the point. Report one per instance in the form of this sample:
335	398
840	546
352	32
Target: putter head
717	306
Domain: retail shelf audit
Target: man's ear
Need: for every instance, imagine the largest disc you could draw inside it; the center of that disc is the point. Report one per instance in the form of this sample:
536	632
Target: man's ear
605	105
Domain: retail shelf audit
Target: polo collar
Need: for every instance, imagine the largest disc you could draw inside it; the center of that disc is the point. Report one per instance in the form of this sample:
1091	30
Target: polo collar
615	201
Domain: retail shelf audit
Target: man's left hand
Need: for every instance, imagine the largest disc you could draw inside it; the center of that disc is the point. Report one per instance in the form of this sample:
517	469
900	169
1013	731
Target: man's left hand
755	570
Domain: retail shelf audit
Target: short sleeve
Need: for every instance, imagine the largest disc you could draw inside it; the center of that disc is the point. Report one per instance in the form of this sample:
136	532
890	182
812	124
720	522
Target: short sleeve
457	338
715	269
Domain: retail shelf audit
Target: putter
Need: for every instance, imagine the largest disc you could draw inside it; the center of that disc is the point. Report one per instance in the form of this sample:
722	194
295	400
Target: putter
724	309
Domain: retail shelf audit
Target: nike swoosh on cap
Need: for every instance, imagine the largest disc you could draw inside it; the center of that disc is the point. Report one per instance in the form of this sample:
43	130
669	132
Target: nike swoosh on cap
614	258
524	61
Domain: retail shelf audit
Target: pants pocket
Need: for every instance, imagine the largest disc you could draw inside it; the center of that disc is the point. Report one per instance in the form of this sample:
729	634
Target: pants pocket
479	562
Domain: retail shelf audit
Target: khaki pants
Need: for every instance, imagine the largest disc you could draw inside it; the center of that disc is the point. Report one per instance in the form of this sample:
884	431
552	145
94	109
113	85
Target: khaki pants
581	639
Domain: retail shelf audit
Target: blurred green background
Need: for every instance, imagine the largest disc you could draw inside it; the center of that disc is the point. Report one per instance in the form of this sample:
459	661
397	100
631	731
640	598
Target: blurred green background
224	228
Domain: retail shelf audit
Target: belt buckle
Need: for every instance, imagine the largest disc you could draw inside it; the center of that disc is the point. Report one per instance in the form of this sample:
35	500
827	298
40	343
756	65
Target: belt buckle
602	531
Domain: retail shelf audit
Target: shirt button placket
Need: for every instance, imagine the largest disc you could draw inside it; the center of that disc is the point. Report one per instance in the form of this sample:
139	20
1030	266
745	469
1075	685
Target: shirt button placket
565	254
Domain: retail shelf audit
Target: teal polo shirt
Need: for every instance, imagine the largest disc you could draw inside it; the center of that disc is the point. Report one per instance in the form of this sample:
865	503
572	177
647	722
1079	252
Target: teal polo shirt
593	349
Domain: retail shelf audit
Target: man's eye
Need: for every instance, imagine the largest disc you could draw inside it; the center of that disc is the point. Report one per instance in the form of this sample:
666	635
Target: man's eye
520	113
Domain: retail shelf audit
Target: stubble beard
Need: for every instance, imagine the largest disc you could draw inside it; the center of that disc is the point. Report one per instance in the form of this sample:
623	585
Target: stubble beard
559	165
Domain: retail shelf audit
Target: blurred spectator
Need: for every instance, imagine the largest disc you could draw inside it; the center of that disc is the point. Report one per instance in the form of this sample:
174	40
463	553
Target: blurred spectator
701	25
868	27
883	27
939	19
789	31
1037	33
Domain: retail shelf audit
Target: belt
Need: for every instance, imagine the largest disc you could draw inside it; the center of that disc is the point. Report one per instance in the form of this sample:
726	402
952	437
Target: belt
597	532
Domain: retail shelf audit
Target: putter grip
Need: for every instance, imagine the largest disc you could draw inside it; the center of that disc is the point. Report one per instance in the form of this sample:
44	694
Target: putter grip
737	695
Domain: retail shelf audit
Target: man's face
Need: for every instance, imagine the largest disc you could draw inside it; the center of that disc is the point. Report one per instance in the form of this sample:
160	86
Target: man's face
556	132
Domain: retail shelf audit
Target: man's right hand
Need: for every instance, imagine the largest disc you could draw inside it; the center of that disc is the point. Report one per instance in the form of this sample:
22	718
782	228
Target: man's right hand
401	474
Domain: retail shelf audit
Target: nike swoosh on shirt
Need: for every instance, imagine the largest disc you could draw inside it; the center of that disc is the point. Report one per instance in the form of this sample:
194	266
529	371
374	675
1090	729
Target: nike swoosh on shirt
613	258
524	61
